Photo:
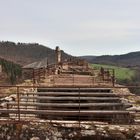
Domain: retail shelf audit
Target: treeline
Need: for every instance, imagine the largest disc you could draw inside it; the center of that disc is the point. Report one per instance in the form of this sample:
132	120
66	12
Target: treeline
26	53
131	60
13	71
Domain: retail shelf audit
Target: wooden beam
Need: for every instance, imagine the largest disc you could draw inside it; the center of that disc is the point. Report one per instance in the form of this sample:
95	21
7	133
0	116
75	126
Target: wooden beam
71	98
74	94
65	113
75	89
67	104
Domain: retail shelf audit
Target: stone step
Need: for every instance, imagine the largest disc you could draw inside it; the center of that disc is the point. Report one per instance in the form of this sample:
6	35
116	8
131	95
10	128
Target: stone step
95	94
74	90
72	98
67	104
65	113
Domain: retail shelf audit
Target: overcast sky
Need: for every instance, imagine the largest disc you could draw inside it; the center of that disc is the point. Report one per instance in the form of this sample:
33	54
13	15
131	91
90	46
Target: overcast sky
79	27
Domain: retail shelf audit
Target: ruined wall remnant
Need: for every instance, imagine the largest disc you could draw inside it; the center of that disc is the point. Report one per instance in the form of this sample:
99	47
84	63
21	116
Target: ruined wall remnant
58	55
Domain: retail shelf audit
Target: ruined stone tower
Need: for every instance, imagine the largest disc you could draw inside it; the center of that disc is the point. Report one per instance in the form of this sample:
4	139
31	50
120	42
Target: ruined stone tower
58	55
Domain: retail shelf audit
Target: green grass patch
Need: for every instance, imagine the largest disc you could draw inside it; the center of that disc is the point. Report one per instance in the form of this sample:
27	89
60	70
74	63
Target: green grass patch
121	73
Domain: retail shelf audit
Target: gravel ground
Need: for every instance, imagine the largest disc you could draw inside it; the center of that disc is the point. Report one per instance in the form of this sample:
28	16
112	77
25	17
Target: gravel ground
46	131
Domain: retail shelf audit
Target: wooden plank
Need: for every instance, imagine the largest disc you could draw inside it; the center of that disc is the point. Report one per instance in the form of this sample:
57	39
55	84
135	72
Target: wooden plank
67	104
75	89
71	98
74	94
65	113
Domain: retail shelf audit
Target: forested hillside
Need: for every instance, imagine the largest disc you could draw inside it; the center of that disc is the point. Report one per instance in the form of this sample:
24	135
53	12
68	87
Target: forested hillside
127	60
23	53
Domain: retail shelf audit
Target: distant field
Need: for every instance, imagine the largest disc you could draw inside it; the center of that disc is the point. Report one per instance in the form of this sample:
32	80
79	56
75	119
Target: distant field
120	72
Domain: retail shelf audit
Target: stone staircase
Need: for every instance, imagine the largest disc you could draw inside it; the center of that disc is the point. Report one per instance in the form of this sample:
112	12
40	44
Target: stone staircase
71	104
84	104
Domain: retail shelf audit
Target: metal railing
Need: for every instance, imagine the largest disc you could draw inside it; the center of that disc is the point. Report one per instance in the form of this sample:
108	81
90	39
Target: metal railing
19	91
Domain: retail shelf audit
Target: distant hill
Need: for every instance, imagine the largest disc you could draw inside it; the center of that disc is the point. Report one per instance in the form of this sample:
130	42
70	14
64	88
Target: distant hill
88	58
26	53
128	60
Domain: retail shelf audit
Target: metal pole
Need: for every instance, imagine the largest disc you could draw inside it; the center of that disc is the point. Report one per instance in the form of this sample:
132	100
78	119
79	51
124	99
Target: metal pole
18	101
113	78
53	80
44	72
79	109
33	76
92	80
73	78
18	130
39	74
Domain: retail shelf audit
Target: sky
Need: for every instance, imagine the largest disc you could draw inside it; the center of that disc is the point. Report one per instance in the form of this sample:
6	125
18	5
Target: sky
79	27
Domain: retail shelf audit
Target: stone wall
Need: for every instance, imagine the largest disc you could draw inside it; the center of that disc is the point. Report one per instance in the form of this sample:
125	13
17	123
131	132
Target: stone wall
45	131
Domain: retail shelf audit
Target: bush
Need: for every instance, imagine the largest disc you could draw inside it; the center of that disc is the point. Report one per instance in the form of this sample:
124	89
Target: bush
13	71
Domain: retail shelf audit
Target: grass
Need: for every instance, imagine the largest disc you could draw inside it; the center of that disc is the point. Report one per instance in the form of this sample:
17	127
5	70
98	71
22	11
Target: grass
121	73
